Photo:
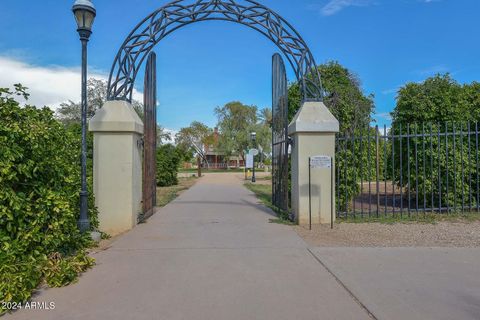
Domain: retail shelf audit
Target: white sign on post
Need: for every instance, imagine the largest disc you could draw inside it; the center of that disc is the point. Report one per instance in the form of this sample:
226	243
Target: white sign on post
249	164
319	162
253	152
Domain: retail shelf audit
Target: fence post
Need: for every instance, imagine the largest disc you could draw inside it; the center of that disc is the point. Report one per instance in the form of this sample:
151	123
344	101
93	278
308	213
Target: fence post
377	168
313	133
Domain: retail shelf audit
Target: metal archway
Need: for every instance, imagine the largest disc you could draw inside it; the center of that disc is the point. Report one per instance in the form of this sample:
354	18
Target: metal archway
141	41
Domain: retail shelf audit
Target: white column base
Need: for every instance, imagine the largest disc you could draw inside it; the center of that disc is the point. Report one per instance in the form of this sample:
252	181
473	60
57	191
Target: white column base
313	132
117	166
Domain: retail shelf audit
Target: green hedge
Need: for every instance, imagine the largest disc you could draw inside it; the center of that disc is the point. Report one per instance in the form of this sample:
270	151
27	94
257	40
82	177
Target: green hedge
39	200
168	161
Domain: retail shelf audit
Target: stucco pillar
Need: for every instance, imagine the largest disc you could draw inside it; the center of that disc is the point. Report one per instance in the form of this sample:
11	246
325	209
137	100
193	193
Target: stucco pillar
117	166
313	134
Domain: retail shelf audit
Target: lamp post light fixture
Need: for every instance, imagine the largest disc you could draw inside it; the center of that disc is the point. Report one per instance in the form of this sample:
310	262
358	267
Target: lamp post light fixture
253	136
84	13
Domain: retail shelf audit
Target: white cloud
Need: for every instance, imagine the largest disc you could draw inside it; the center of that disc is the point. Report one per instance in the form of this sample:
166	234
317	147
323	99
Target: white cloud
47	85
335	6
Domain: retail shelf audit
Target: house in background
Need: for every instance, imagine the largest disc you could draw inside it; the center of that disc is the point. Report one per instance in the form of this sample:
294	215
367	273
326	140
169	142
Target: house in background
217	159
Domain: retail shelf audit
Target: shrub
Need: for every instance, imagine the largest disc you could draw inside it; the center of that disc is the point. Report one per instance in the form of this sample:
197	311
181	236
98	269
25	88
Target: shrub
443	170
168	161
39	194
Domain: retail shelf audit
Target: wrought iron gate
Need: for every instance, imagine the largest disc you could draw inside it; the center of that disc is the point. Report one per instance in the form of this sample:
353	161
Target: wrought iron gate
279	134
150	138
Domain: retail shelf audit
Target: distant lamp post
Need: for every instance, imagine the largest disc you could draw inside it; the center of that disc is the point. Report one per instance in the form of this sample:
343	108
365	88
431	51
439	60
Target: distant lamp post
253	136
84	13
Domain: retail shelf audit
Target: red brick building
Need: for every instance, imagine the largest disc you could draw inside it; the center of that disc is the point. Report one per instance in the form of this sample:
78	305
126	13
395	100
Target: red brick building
217	159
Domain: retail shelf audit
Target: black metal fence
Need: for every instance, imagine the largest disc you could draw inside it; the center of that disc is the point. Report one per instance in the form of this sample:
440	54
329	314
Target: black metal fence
408	170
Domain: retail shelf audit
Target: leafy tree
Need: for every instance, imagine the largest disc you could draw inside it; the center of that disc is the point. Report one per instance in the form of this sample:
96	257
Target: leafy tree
195	137
236	122
96	96
70	112
343	96
441	105
39	199
345	99
168	161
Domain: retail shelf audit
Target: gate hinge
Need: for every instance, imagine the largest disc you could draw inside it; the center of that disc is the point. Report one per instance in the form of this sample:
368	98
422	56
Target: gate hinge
140	143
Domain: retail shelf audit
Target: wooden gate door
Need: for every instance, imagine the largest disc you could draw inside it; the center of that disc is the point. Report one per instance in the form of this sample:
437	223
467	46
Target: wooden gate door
150	138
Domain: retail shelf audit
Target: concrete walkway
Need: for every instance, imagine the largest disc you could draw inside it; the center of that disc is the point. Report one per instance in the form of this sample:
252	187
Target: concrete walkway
210	254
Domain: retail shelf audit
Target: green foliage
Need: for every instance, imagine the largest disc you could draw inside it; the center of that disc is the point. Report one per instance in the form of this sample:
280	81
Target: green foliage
438	99
168	161
236	122
356	162
343	96
451	170
192	139
60	271
353	109
448	106
39	194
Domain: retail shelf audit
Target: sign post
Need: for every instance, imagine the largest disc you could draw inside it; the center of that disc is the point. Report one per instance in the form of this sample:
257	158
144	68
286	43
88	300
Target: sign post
253	153
319	162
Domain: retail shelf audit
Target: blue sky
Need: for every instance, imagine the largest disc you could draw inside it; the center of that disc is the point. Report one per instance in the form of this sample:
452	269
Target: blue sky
385	42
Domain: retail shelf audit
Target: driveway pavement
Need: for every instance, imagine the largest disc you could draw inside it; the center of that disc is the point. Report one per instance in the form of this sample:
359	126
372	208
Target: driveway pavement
410	283
212	254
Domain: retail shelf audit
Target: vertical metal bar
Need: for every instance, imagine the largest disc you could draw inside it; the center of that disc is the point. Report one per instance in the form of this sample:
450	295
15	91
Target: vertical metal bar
354	166
408	168
462	167
401	172
369	174
346	176
431	169
377	160
361	171
454	168
309	194
332	193
439	171
337	154
392	134
447	189
424	160
469	167
416	169
477	169
83	221
385	163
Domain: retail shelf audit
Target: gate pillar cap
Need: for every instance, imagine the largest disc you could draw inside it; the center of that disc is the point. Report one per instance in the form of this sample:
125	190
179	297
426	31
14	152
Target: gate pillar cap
116	116
313	116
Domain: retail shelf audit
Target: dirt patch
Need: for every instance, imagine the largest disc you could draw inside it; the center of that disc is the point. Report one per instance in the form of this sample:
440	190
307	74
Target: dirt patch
441	234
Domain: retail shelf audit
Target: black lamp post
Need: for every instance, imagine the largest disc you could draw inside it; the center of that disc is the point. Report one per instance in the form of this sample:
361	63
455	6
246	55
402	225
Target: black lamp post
253	136
84	13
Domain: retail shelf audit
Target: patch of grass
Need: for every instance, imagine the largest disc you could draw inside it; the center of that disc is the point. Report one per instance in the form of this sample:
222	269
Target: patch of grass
211	170
165	195
264	194
282	221
428	218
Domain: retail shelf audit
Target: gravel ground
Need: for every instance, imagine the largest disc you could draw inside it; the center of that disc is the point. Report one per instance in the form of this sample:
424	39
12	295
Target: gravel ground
441	234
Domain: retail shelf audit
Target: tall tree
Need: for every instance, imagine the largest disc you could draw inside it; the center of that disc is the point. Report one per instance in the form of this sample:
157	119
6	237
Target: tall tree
343	96
70	112
195	137
437	99
236	121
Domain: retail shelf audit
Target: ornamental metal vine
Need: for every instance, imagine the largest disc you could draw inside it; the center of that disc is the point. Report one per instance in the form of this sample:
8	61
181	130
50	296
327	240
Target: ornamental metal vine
177	14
